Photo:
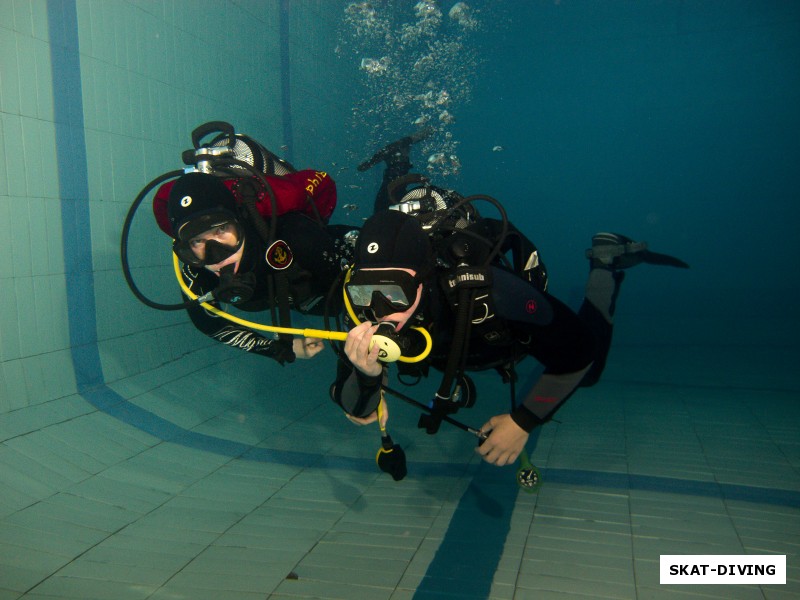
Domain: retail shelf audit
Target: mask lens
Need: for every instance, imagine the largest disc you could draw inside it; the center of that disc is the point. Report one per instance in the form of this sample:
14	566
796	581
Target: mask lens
361	295
396	289
214	232
209	246
185	254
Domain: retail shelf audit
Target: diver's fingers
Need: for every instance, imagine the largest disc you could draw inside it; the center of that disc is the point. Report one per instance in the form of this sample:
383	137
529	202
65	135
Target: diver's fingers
355	341
358	350
487	427
364	344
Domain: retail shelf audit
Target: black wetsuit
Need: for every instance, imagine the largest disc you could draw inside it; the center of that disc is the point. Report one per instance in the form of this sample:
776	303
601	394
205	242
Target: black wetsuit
571	347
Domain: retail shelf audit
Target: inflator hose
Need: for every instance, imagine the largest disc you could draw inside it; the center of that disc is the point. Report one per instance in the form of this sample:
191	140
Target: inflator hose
315	333
126	227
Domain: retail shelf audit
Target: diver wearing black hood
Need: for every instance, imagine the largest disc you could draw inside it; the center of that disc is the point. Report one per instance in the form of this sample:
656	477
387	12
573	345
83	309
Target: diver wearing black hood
399	266
222	252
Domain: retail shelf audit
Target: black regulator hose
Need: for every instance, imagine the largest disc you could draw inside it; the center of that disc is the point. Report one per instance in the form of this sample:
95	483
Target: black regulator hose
126	271
249	200
496	249
466	296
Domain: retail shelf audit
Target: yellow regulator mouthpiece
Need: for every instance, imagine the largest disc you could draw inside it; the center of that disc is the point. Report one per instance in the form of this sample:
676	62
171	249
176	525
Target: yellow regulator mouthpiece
388	349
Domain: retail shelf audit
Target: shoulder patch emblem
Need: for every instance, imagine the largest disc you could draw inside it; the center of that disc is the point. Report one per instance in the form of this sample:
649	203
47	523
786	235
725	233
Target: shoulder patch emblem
279	255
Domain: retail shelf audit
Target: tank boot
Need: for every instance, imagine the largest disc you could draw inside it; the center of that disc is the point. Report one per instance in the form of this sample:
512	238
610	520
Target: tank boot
613	252
396	154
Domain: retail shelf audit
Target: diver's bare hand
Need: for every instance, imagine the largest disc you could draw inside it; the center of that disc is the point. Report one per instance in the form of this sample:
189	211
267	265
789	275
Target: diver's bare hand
505	442
357	348
307	347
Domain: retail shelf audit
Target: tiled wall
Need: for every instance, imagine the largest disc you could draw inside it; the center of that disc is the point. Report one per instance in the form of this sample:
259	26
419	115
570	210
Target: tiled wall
33	333
150	72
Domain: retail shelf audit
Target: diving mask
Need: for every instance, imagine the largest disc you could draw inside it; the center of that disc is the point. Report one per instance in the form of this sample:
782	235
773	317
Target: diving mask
378	293
212	250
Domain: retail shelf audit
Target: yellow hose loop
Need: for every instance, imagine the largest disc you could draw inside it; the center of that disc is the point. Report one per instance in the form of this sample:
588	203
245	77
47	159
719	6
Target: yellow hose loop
313	333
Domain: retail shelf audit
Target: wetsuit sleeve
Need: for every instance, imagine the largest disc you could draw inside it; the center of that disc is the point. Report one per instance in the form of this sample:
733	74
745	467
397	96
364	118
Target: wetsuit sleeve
356	393
563	344
545	398
230	334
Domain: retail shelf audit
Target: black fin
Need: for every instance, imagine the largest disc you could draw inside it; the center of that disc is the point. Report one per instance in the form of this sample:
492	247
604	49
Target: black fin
654	258
397	150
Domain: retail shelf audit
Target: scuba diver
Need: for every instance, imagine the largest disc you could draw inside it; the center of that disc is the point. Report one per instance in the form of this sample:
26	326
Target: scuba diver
252	232
429	264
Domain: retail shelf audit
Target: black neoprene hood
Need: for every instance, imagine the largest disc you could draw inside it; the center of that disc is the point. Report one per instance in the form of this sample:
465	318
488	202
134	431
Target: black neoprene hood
391	239
197	202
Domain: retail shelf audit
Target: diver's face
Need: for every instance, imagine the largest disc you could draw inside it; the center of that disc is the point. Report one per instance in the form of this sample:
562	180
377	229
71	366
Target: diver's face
224	234
401	318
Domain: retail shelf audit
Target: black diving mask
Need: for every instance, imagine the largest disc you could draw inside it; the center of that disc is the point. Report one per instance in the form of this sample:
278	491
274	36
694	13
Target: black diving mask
379	293
215	251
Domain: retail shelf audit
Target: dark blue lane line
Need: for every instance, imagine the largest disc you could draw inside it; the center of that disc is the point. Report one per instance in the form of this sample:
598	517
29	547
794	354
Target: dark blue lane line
670	485
466	561
73	180
129	413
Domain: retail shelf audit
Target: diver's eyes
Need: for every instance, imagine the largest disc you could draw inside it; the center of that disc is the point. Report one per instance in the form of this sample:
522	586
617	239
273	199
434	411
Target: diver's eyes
217	231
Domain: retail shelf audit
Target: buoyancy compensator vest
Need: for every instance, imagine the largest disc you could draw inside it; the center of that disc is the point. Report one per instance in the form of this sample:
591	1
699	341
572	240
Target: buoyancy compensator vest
471	250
